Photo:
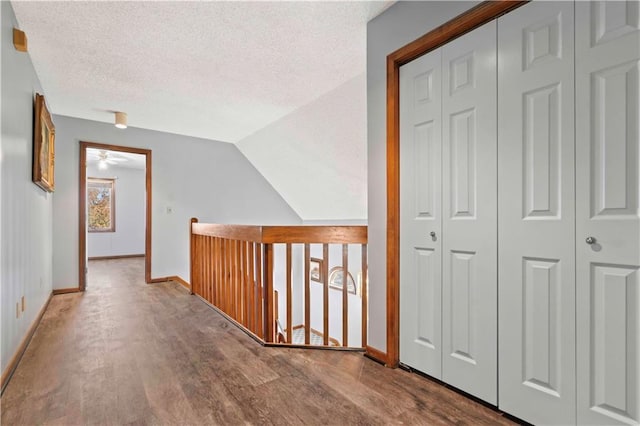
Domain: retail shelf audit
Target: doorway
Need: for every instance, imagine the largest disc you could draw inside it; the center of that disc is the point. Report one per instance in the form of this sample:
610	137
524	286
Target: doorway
104	155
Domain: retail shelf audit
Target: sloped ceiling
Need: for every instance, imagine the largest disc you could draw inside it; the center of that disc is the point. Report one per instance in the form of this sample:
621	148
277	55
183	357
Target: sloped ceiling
218	70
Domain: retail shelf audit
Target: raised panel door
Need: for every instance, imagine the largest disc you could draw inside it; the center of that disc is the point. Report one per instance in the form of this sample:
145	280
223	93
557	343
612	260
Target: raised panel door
420	214
469	234
607	212
536	212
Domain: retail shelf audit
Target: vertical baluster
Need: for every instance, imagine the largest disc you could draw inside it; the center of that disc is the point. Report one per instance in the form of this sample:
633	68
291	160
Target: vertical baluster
215	271
200	263
238	277
325	292
246	283
364	295
267	271
192	252
210	270
207	267
251	289
243	280
230	288
234	299
225	270
276	314
307	294
345	295
289	296
259	292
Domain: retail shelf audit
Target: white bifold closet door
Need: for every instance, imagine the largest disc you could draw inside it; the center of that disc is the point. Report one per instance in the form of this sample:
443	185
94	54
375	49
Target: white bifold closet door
608	224
469	214
420	214
448	203
537	213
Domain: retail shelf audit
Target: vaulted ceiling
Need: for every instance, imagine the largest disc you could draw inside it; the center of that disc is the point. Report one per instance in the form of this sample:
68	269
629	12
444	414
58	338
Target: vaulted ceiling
224	71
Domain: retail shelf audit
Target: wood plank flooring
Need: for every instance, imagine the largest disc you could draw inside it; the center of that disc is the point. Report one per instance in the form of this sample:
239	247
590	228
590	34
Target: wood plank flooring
130	353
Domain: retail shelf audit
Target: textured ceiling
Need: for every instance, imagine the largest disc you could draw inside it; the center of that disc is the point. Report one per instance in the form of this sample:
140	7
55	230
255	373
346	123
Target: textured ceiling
217	70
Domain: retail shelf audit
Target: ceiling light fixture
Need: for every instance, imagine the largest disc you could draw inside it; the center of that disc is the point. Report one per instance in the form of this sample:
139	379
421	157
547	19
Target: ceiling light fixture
102	164
121	120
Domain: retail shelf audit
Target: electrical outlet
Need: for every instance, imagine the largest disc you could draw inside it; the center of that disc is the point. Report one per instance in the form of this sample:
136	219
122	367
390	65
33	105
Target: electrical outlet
23	304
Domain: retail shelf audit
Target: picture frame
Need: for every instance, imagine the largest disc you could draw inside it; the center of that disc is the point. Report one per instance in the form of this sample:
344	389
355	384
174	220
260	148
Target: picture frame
335	280
44	135
315	269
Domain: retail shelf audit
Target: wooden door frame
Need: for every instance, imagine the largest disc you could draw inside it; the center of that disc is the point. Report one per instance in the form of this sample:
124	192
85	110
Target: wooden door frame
82	209
462	24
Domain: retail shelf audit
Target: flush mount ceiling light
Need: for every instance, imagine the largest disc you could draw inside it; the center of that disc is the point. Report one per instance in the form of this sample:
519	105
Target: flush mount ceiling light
121	120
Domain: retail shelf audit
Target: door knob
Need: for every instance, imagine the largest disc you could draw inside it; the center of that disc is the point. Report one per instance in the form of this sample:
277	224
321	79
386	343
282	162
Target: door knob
433	234
590	240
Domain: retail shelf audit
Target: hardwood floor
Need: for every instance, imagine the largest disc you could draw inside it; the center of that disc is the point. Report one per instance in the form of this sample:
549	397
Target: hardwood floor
130	353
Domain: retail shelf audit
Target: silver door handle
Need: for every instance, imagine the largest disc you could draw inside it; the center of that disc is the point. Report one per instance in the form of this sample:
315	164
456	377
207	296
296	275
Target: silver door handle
590	240
433	234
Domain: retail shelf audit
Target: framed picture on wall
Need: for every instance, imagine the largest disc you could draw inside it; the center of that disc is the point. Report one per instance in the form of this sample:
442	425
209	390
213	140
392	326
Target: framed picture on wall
44	135
335	280
315	269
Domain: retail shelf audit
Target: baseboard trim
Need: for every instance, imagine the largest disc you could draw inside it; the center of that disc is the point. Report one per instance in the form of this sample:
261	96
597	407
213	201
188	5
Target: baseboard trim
57	291
121	256
22	347
177	279
158	280
376	355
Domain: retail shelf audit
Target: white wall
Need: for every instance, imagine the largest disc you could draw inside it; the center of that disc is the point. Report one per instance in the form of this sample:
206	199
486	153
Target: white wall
25	209
130	210
316	156
400	24
195	177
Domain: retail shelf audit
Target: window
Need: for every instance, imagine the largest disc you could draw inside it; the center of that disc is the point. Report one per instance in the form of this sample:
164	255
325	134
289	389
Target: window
101	194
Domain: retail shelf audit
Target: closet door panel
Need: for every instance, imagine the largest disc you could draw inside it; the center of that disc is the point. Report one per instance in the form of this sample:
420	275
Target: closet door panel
608	187
536	213
420	207
469	234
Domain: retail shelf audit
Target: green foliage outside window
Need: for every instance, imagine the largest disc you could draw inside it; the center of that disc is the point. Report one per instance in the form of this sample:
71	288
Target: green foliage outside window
101	202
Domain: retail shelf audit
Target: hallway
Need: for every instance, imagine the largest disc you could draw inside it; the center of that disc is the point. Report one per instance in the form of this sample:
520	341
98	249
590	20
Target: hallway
126	352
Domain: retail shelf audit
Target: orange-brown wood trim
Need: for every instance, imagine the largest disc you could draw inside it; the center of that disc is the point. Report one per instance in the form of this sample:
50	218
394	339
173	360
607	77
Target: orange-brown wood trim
19	40
180	281
17	356
307	294
285	234
345	295
158	280
467	21
121	256
229	232
315	234
325	293
364	293
57	291
289	282
82	200
375	354
192	252
269	318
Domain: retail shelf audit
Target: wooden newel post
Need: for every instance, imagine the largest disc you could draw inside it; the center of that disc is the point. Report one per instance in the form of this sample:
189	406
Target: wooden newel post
269	318
192	252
